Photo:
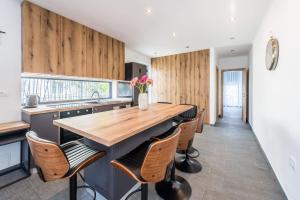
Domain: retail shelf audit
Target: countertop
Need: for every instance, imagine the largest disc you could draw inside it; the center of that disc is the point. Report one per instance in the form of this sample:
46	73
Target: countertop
13	126
111	127
46	109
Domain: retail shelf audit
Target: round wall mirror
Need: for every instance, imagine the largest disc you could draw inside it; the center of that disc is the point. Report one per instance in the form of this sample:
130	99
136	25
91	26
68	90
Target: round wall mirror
272	54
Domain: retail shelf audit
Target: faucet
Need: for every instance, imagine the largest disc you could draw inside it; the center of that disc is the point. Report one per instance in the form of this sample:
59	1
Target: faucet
98	94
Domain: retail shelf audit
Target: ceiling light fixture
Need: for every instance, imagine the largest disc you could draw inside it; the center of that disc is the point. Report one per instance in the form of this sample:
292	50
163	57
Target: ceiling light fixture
174	34
148	11
233	19
232	51
232	38
187	47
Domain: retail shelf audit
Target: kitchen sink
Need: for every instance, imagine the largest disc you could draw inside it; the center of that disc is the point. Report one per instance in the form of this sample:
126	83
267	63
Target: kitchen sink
95	102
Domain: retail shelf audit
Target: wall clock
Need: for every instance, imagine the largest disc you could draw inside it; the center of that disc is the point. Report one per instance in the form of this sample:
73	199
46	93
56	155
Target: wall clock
272	54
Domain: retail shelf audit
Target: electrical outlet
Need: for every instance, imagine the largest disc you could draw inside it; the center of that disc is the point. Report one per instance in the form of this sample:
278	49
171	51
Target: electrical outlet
3	93
292	163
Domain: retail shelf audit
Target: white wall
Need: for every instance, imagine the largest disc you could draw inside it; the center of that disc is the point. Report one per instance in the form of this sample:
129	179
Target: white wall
233	62
134	56
212	91
276	97
250	92
10	70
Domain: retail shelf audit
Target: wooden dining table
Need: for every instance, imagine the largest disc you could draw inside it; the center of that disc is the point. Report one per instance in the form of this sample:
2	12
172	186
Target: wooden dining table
118	132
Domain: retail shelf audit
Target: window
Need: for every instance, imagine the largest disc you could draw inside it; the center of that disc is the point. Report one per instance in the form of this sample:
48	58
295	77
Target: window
59	89
124	89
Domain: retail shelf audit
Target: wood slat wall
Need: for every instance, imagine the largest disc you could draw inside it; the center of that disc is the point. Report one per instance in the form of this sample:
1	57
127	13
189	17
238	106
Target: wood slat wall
182	79
53	44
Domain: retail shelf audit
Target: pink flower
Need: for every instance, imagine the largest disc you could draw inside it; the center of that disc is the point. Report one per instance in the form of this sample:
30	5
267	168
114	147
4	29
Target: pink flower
143	79
149	81
134	81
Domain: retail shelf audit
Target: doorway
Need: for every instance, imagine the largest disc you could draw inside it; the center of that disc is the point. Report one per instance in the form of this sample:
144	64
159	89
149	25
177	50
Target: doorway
234	95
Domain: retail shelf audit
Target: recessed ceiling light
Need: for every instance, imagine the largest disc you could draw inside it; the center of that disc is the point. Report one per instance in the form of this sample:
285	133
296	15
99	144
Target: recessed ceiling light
232	38
148	11
233	19
187	47
174	34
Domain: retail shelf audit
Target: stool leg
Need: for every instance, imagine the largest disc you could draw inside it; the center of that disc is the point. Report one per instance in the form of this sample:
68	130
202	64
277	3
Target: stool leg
144	191
174	187
73	187
187	164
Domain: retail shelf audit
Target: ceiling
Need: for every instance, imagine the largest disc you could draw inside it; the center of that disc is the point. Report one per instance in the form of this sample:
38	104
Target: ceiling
236	50
198	24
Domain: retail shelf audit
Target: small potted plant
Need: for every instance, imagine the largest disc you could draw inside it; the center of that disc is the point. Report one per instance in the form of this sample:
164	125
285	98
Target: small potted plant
142	84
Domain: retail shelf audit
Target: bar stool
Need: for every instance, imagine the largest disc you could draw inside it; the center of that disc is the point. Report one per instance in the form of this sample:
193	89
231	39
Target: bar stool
200	117
199	129
149	162
173	186
55	162
185	162
185	117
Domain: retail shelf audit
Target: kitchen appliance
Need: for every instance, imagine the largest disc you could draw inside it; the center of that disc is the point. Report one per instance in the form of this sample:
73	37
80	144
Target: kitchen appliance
65	135
32	101
134	70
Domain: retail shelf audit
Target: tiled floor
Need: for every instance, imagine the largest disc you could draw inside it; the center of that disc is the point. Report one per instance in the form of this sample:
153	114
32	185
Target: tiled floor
234	168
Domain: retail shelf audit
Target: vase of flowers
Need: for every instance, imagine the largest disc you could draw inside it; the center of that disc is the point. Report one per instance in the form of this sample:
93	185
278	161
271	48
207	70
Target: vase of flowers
142	84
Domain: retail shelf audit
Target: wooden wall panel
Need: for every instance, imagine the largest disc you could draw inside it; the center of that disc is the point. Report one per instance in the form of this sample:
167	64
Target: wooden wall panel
182	78
53	44
41	40
73	48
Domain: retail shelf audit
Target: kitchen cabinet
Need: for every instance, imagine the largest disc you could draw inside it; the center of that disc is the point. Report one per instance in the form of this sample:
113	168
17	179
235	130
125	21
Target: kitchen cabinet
103	108
105	56
53	44
73	57
41	40
42	124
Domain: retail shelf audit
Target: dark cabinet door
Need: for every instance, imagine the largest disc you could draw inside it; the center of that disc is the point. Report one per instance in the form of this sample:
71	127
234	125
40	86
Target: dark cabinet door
42	124
102	108
135	70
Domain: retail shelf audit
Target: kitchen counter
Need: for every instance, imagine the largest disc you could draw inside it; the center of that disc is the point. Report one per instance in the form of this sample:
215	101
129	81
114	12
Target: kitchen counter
13	126
118	132
109	128
47	109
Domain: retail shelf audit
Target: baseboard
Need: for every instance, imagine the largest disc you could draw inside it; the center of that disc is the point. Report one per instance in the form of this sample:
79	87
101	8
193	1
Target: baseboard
33	170
269	164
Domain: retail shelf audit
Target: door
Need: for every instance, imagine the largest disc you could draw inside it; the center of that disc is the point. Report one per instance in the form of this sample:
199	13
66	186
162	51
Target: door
244	92
245	95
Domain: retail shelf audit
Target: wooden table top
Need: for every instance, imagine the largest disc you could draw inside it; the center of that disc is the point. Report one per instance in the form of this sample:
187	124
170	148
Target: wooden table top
111	127
13	126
